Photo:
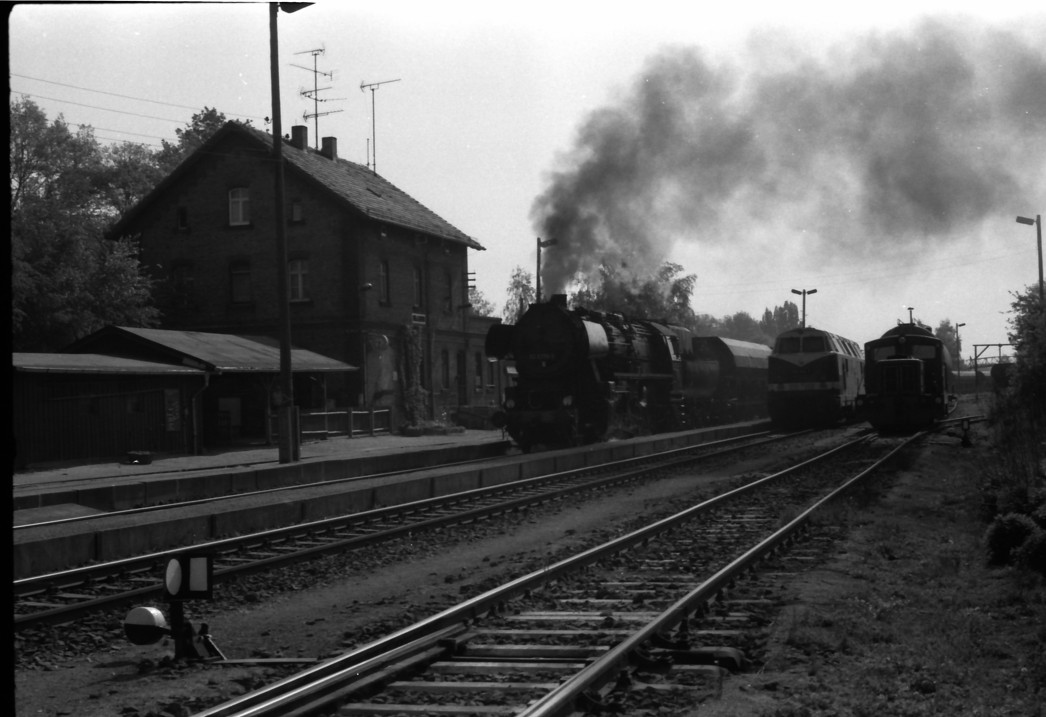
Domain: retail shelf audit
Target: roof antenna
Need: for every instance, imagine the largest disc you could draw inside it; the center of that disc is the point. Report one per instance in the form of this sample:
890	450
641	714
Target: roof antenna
373	86
314	93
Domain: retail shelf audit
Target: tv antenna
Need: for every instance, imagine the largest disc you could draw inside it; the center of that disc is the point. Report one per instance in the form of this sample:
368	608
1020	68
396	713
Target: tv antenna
314	93
373	86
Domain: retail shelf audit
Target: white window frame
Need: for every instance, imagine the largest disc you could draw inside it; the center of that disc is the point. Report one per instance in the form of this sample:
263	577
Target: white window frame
298	279
239	207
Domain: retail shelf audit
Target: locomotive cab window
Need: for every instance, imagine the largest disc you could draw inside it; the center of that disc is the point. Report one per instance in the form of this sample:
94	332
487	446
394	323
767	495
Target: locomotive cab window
814	344
788	345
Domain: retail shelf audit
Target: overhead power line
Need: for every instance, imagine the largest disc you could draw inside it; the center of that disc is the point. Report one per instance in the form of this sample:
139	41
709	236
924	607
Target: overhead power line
116	94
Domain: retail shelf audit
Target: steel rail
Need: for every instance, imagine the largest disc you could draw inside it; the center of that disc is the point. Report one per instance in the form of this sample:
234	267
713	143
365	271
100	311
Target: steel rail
635	467
311	689
564	699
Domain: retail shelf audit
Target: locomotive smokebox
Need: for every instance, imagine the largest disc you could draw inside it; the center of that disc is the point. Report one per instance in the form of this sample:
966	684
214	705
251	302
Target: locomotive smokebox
559	300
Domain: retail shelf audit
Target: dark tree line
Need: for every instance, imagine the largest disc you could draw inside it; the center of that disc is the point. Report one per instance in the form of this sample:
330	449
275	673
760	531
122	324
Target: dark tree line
67	190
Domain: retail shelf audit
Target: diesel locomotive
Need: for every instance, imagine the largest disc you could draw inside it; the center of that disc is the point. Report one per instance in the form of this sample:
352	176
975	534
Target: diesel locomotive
908	380
814	378
584	376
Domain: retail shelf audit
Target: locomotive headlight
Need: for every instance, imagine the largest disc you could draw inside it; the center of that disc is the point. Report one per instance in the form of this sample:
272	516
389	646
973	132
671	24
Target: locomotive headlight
510	403
568	401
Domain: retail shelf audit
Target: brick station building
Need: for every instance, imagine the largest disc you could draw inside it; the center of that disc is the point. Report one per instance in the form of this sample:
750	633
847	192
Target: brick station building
376	279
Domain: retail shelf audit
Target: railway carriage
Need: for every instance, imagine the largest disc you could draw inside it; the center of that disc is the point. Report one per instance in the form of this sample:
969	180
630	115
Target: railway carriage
814	378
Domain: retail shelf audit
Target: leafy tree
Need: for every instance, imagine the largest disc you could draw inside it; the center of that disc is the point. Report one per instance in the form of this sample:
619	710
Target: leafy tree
479	303
949	336
520	295
743	327
1028	335
665	296
781	319
67	280
202	126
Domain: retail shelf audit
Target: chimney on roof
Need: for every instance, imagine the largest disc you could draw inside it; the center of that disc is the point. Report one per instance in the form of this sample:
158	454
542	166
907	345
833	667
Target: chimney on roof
300	136
330	147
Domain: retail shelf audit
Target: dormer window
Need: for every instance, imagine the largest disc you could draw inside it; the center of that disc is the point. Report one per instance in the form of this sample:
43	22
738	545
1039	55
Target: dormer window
239	207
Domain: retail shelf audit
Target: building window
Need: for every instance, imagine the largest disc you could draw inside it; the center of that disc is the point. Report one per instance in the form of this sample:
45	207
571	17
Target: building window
182	219
383	283
182	286
297	212
418	292
239	207
298	271
445	358
240	283
491	368
448	300
479	371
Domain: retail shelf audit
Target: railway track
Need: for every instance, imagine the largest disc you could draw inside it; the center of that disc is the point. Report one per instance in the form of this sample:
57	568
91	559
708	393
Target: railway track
661	613
64	597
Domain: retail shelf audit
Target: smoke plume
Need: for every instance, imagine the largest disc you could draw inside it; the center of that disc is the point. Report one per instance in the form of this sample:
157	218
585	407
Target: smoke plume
895	141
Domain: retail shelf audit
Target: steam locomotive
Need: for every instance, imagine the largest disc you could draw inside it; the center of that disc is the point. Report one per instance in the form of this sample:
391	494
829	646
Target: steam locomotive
584	376
908	375
814	378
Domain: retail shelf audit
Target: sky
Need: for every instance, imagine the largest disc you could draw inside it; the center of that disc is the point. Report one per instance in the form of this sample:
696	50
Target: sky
879	155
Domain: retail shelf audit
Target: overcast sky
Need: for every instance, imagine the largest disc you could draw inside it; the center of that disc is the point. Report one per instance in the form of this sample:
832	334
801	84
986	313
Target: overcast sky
879	155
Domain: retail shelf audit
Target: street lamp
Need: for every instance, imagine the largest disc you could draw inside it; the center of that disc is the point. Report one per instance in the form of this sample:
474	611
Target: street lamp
803	293
541	245
1037	222
289	448
958	344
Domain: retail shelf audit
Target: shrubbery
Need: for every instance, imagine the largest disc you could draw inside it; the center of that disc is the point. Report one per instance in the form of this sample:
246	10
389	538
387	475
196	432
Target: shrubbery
1015	496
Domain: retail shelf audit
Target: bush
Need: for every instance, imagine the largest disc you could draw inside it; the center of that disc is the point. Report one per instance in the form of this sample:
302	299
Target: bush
1031	555
1005	535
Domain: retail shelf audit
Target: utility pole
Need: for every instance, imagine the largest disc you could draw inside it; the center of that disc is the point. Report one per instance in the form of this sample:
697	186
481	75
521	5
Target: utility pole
373	86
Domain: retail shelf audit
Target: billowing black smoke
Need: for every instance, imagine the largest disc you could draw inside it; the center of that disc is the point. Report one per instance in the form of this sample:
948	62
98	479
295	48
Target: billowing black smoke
892	141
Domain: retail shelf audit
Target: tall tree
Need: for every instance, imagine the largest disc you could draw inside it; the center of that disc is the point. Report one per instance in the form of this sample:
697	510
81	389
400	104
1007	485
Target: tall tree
520	293
479	305
190	138
946	332
1028	335
67	280
664	296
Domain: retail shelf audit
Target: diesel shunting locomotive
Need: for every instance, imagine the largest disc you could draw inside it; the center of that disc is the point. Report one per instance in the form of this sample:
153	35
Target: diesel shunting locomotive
908	375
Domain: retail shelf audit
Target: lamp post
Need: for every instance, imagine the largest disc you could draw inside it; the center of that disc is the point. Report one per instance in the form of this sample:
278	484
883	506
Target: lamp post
542	245
1037	222
803	293
289	448
958	344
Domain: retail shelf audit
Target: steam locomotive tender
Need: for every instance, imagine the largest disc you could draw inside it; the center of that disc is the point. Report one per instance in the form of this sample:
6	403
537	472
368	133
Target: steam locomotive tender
908	374
583	376
814	378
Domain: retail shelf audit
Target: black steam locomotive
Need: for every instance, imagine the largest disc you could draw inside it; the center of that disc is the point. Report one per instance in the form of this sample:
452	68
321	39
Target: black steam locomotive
908	375
584	376
815	378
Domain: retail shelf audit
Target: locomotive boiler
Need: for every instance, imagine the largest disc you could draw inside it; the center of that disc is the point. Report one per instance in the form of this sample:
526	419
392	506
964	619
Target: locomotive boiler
583	376
908	377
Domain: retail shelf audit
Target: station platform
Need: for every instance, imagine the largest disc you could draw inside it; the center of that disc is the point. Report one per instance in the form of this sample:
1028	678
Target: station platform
254	456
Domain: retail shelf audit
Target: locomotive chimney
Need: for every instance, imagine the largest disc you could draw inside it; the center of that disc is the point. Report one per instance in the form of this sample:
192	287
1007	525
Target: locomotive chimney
559	300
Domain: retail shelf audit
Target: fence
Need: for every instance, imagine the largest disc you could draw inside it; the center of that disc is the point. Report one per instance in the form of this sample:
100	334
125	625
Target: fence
342	422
